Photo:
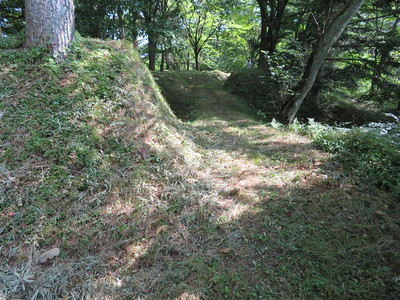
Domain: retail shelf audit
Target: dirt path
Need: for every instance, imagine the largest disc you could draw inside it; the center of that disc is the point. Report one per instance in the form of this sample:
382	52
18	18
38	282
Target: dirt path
248	166
259	214
277	219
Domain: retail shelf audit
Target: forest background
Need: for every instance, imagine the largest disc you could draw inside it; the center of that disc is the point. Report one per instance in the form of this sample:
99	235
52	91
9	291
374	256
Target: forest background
180	183
276	37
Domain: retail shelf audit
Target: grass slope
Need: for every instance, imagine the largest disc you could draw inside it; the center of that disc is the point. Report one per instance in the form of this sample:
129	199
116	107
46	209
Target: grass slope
298	224
192	95
143	206
86	151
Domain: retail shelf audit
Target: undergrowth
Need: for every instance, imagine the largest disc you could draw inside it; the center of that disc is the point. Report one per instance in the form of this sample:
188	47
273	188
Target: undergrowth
370	155
12	41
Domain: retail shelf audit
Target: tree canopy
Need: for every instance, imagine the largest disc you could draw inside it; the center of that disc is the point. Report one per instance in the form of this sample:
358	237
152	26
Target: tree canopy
277	36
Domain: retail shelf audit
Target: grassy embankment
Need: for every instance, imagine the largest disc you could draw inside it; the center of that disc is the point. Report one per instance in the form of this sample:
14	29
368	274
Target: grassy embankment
143	205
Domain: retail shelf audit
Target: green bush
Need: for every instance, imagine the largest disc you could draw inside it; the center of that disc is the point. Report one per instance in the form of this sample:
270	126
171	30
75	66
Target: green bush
256	87
12	41
371	156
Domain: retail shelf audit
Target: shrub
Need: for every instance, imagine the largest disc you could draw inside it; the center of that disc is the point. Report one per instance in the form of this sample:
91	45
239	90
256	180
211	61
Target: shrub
256	87
368	153
12	41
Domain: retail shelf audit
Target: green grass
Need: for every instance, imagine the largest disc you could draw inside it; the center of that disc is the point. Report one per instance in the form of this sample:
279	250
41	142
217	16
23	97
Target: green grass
198	95
318	226
144	206
325	247
77	139
343	108
369	155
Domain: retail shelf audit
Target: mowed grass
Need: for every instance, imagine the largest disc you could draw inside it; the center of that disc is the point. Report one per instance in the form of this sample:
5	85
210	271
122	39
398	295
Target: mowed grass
144	206
87	148
307	228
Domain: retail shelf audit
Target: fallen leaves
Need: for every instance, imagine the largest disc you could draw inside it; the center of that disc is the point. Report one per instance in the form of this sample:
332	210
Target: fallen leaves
162	228
47	255
225	250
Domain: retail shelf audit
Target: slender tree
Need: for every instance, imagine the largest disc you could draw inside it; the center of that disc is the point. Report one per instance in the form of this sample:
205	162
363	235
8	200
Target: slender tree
319	17
272	12
317	57
50	24
200	24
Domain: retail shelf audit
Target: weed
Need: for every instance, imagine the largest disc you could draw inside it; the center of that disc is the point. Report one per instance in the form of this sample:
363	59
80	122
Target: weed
370	155
16	280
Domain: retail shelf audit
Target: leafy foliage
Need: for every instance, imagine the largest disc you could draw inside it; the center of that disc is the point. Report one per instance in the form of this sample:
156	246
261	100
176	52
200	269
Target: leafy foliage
370	154
11	16
12	41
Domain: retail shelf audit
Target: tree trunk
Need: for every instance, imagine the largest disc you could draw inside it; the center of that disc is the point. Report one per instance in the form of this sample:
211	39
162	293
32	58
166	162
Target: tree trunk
196	58
135	27
121	22
314	96
152	51
318	56
167	61
263	34
162	61
50	24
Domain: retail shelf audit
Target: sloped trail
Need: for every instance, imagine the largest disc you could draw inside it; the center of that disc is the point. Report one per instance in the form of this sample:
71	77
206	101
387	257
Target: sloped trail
276	216
249	166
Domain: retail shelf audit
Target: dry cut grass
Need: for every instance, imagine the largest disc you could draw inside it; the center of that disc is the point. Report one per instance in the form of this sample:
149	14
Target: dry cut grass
144	206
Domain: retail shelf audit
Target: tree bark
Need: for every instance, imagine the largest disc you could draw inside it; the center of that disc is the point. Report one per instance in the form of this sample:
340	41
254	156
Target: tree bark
152	49
314	96
318	56
50	24
162	61
272	12
121	21
197	58
167	61
263	34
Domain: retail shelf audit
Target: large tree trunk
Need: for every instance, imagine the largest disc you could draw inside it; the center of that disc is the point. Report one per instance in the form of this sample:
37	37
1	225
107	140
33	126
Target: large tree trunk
313	98
318	56
50	24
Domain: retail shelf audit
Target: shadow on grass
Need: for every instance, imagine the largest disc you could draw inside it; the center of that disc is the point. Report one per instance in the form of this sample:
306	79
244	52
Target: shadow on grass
139	224
317	241
313	235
